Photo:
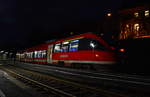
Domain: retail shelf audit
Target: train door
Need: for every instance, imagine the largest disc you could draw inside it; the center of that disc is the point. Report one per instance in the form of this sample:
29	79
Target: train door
49	54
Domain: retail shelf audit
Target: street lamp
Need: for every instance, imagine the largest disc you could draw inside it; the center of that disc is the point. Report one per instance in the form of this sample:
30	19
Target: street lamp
109	14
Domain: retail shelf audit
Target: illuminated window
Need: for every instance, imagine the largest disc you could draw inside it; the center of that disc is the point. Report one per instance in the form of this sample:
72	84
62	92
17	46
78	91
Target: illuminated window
39	54
127	25
35	54
44	54
147	13
65	46
74	45
57	48
28	55
136	27
136	14
32	54
22	55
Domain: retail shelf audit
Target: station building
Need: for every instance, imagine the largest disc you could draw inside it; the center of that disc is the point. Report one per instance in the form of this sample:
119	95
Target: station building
135	22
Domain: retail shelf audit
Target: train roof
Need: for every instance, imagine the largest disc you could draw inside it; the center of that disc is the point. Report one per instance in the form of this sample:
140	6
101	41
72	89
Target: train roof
84	35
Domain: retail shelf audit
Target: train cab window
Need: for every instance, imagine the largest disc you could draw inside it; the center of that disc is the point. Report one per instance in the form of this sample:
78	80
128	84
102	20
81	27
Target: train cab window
65	46
91	44
74	45
57	48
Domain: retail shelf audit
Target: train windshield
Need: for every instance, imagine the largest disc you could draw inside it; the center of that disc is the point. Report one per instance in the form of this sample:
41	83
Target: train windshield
90	44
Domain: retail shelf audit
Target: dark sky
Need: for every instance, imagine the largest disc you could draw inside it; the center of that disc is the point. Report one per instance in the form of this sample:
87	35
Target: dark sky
28	22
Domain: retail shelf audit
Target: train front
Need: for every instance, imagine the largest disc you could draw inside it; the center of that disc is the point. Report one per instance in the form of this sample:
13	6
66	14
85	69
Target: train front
97	53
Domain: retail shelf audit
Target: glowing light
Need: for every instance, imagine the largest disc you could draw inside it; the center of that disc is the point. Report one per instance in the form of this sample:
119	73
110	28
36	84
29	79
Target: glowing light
127	25
2	51
136	14
92	45
109	14
122	50
65	42
97	55
136	28
147	13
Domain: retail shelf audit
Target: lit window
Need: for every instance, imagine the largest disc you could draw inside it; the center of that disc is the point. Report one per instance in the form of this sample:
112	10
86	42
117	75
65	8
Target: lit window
127	25
28	55
44	54
74	45
31	54
57	48
35	54
136	27
147	13
136	14
65	46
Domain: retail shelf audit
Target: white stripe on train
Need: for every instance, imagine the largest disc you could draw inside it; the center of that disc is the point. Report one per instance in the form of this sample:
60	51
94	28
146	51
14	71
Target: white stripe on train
95	62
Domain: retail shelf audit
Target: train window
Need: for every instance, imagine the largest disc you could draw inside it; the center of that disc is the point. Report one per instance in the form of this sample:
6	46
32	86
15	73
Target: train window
74	45
22	56
35	54
28	55
57	48
65	46
39	54
32	54
44	54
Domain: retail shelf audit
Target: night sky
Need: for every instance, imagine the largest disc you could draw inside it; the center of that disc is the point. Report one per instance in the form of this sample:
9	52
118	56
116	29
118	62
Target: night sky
29	22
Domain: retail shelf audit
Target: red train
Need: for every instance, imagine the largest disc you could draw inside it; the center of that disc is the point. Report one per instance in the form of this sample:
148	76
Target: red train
81	50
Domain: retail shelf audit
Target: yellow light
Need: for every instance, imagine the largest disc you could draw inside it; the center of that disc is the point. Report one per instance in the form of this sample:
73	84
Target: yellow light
109	14
136	14
97	55
147	13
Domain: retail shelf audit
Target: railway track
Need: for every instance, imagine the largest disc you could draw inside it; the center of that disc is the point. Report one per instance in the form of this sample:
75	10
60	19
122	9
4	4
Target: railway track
54	87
